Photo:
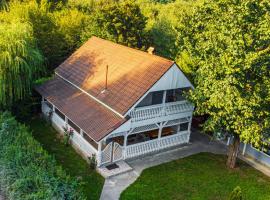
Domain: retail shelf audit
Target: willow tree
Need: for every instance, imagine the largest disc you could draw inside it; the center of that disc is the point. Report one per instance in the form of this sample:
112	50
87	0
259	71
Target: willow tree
228	44
20	62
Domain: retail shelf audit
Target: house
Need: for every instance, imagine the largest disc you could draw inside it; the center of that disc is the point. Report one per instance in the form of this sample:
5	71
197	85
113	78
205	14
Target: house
120	102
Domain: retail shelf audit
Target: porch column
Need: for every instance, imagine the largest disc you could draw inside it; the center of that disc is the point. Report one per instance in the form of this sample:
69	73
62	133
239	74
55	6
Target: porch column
189	124
53	108
178	128
99	153
160	131
189	128
125	144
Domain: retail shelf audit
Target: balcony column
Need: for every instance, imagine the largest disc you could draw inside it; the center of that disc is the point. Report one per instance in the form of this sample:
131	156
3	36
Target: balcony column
164	97
164	102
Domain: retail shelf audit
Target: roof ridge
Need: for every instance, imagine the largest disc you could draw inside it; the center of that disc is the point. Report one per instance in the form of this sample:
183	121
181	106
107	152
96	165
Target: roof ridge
91	96
133	49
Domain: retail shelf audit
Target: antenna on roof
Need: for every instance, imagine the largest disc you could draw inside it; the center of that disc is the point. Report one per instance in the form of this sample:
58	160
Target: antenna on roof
106	80
106	83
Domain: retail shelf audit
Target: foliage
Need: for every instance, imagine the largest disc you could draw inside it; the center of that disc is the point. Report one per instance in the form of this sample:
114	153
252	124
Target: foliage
68	133
229	43
57	31
20	62
236	194
202	177
93	161
121	22
68	158
26	170
163	21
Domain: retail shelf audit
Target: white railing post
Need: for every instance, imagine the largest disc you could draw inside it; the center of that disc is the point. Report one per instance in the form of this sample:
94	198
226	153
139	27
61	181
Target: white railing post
244	149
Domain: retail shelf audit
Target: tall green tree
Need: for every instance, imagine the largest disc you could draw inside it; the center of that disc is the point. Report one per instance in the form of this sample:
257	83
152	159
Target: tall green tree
121	22
20	62
227	44
57	31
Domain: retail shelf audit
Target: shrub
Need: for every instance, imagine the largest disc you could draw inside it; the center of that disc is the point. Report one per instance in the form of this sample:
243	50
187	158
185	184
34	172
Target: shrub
27	171
236	194
92	161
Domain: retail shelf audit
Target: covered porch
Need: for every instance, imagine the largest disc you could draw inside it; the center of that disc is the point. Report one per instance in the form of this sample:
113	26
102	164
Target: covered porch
143	140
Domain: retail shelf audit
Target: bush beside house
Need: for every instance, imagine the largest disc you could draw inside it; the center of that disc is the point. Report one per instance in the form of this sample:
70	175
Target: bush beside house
27	171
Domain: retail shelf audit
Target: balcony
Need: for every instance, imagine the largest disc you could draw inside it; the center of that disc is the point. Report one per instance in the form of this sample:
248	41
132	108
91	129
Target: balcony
160	110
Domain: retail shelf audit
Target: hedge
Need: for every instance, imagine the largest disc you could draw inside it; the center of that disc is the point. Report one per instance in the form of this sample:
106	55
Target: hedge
27	171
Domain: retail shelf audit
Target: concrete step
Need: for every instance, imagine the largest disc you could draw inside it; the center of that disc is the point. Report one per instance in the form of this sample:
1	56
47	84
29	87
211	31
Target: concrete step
123	168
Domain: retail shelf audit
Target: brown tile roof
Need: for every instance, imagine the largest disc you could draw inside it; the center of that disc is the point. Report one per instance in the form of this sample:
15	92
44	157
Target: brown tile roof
94	118
131	72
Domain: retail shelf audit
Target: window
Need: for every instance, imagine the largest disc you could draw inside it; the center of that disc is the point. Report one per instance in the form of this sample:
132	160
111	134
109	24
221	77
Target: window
184	126
60	114
74	126
152	98
176	94
157	97
90	141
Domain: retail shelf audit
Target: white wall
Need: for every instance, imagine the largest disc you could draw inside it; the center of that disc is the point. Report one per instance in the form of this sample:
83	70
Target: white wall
77	140
174	78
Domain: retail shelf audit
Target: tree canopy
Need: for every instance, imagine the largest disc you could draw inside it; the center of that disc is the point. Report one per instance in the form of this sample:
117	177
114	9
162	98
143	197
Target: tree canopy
121	22
228	43
20	62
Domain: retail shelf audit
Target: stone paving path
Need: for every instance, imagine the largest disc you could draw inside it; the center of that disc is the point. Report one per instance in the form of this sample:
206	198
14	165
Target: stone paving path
199	143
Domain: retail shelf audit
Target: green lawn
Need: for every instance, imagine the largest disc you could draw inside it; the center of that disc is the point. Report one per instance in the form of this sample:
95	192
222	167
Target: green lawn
67	157
202	176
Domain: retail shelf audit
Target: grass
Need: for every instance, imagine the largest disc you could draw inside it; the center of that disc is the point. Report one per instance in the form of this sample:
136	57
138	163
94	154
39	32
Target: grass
68	158
199	177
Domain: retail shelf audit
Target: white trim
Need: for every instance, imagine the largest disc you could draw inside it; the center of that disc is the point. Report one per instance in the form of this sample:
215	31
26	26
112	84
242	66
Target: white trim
97	100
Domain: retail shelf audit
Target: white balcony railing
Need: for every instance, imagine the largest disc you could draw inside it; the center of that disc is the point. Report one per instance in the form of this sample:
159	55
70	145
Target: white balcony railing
150	112
156	145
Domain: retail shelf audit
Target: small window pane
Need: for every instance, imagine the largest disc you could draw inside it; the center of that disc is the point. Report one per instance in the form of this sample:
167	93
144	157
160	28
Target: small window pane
60	114
74	126
157	97
88	139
